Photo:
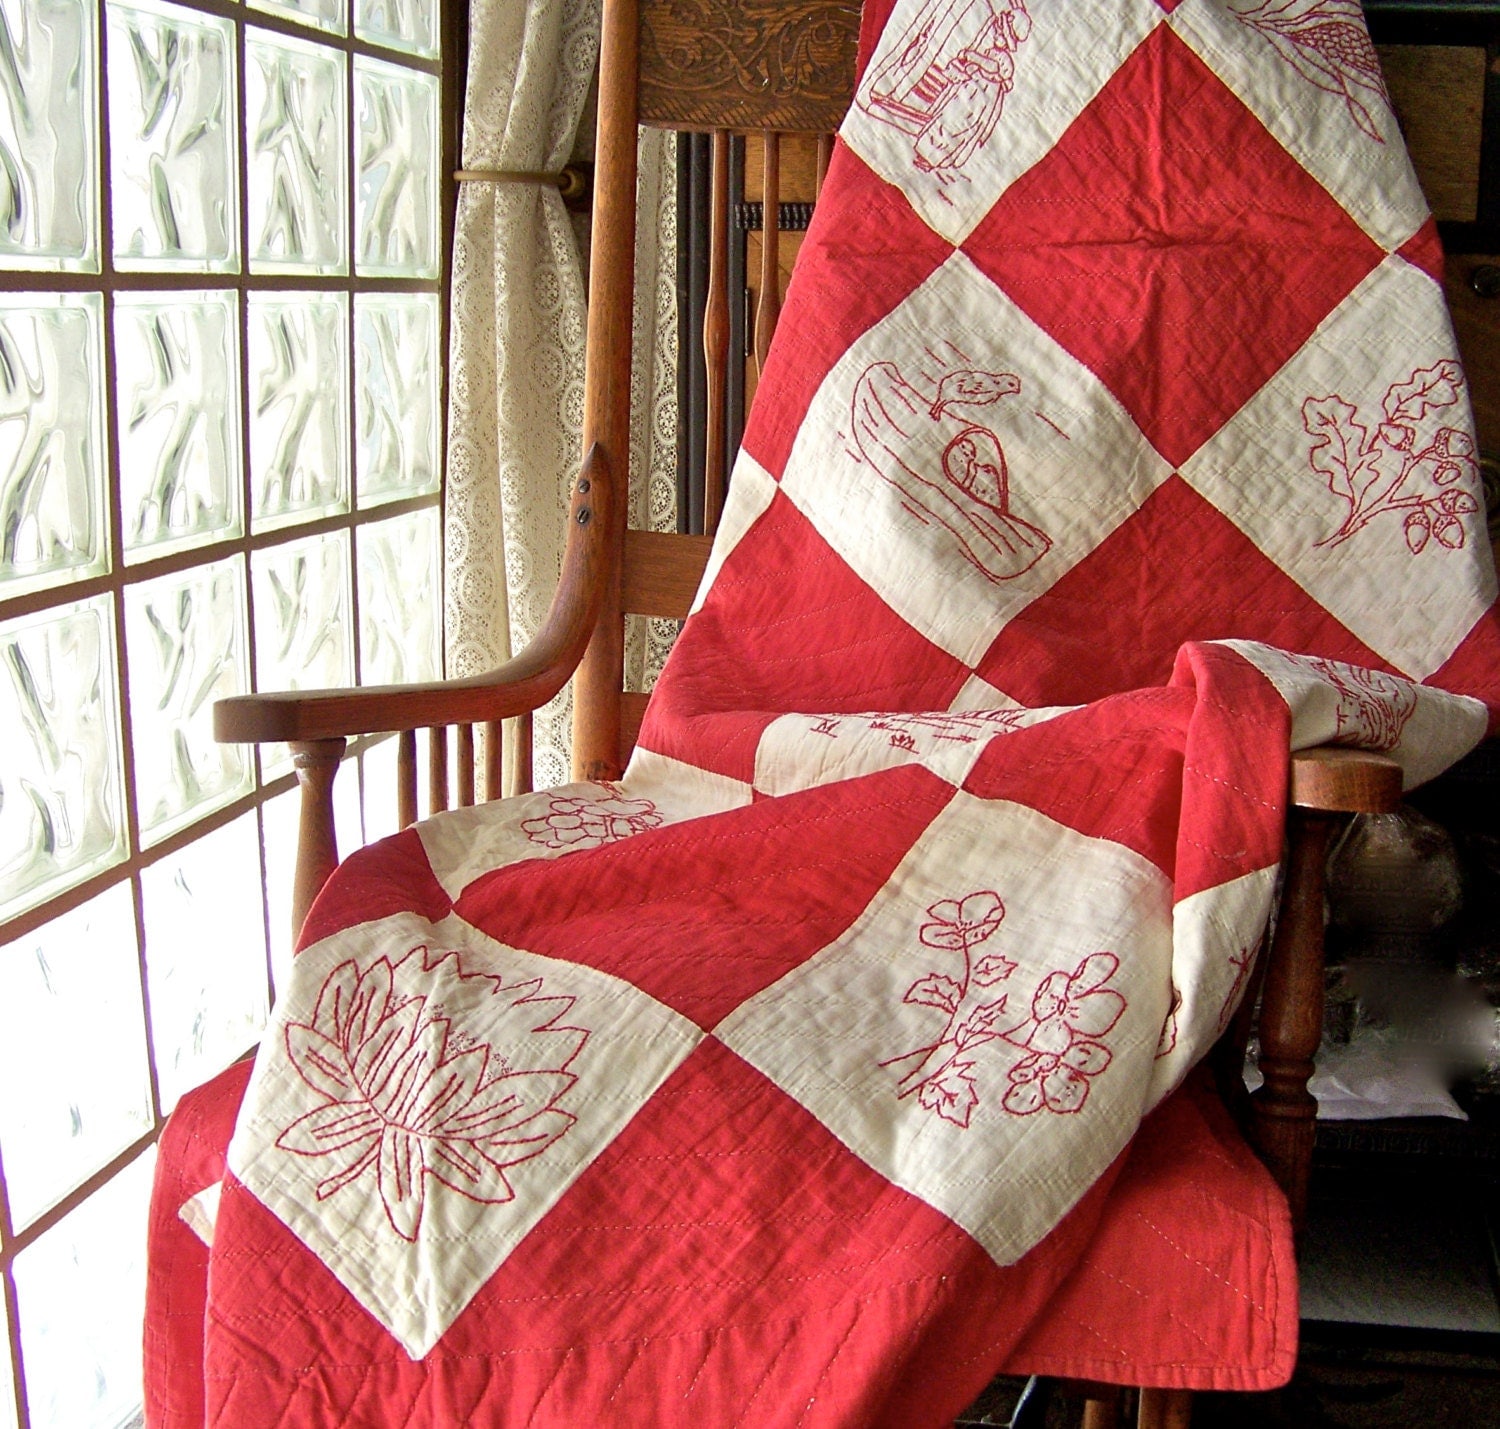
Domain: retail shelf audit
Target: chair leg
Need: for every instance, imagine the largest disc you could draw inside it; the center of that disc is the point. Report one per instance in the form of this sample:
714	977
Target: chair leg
1291	1018
1165	1409
1102	1413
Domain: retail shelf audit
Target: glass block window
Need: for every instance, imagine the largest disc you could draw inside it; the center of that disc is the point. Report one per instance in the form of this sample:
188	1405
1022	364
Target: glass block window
223	262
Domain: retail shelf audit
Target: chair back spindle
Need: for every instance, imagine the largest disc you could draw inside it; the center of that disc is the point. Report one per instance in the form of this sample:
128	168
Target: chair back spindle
406	777
465	766
492	757
769	308
437	769
606	394
716	336
316	762
523	753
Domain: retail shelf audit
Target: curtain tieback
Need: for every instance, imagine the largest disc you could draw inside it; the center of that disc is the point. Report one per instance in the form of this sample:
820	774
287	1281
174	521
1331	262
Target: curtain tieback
571	181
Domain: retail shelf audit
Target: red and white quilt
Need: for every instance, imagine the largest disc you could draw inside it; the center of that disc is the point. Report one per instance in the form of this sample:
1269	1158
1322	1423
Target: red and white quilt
1112	445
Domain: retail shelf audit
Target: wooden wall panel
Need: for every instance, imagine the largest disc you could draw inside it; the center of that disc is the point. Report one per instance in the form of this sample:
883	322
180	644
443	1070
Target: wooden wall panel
798	173
1437	92
1477	322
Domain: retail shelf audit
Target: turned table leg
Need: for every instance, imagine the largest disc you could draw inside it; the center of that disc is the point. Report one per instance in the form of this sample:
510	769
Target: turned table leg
1102	1413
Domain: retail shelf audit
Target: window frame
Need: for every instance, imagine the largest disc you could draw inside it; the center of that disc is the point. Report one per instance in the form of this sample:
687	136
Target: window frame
449	66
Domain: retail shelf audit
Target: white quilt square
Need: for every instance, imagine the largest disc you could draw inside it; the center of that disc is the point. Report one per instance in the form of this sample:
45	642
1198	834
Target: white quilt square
978	694
1354	470
1423	730
1011	971
462	844
962	479
425	1097
951	78
751	491
801	751
1307	70
1216	934
465	843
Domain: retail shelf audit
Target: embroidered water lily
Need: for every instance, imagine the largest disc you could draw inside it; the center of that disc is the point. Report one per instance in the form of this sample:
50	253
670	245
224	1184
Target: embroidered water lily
407	1097
576	822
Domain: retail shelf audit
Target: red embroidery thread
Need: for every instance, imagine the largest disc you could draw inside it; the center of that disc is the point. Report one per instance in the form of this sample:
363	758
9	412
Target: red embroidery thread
955	727
1384	471
407	1096
1070	1013
576	822
1327	43
1167	1042
1241	962
1373	707
945	80
956	925
961	727
949	470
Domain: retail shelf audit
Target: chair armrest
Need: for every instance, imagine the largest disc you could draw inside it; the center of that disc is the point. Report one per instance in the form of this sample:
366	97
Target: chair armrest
520	685
1334	780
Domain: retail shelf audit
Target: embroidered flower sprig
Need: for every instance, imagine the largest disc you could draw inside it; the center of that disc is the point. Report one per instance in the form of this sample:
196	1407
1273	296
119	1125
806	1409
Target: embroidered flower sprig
1070	1013
959	926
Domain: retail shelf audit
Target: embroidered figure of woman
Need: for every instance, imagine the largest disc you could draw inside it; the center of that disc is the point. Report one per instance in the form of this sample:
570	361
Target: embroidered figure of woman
946	82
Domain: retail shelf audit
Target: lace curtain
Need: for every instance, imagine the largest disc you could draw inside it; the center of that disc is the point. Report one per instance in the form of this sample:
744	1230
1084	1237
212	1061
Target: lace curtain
516	351
653	384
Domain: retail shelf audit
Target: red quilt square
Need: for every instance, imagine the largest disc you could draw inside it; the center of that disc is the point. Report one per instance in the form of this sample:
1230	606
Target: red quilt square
1114	622
667	1271
1177	250
1424	250
1474	667
845	282
787	627
391	876
1130	795
703	919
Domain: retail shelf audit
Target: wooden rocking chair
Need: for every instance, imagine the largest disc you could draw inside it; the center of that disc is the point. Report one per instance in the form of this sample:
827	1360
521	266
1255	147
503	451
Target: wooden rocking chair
656	69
